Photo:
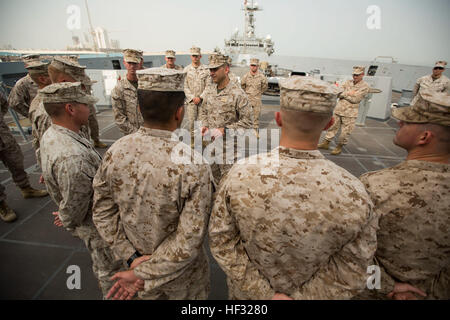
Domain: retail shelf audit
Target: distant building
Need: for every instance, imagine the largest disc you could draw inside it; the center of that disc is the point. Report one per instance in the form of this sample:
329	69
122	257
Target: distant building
115	44
102	38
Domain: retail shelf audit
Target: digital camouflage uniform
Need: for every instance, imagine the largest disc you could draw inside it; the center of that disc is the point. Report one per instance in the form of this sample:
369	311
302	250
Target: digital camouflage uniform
254	86
10	152
346	111
442	84
21	96
229	109
40	122
413	201
293	222
194	86
125	107
145	200
69	163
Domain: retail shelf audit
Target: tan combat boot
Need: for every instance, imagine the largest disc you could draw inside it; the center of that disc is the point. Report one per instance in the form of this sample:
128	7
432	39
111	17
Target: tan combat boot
324	145
337	150
29	192
6	213
99	144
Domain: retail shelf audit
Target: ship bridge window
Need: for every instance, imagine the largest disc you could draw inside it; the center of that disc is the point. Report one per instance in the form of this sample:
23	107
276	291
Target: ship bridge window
298	73
372	70
116	64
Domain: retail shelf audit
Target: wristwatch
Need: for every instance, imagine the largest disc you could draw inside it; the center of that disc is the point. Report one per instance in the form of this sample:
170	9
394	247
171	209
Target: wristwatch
133	257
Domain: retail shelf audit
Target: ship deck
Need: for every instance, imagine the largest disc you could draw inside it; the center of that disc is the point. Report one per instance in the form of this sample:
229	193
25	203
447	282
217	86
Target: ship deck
35	254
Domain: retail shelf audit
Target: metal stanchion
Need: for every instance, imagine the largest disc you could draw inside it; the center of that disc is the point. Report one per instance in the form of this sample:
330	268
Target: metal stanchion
16	120
12	112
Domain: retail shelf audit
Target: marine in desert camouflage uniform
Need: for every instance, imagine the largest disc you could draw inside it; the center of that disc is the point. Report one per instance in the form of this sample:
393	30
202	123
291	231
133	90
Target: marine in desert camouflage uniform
291	224
225	106
12	157
124	95
59	70
25	89
170	61
233	78
39	119
254	83
436	81
413	201
69	163
346	110
150	206
196	78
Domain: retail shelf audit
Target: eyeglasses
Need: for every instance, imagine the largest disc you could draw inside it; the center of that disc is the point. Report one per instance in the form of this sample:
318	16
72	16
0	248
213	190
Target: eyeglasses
439	68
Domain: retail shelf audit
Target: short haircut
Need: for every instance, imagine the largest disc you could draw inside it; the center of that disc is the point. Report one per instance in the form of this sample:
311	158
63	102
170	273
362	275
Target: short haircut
54	109
304	122
441	132
159	106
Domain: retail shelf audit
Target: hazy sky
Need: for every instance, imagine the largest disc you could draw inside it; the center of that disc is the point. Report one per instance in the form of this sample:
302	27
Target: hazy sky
413	31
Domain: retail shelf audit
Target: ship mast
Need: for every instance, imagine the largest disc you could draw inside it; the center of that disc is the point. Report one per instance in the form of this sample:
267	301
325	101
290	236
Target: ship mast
248	42
249	10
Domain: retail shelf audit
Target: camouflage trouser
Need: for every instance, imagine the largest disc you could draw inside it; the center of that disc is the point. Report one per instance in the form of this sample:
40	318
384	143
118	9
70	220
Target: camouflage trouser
192	284
346	124
256	106
93	124
12	157
219	170
192	116
104	264
192	112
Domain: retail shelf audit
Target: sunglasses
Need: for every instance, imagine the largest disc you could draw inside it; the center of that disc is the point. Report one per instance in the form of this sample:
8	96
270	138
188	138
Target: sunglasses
439	68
